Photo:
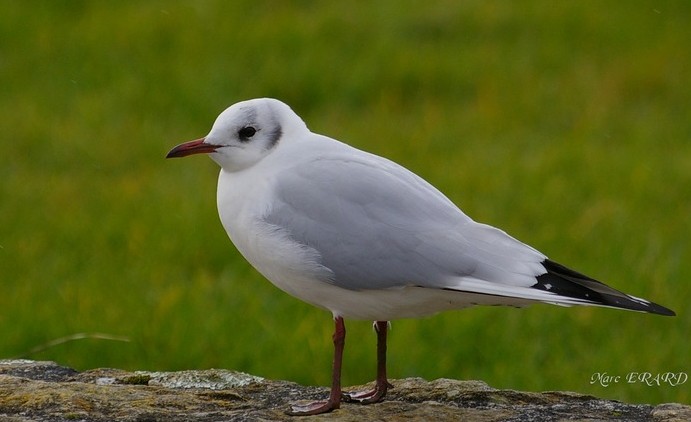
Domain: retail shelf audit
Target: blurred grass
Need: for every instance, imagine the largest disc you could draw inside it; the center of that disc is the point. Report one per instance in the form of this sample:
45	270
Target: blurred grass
567	124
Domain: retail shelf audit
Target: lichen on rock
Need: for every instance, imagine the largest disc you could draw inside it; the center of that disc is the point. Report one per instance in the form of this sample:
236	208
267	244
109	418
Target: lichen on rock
45	391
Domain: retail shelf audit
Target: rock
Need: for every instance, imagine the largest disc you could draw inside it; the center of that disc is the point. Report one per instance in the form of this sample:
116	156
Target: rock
45	391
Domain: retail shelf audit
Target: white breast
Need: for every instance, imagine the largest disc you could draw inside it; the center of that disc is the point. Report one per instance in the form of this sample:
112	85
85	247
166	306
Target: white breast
242	200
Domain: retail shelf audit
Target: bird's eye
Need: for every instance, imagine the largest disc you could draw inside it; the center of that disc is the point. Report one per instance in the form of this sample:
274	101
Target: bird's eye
246	133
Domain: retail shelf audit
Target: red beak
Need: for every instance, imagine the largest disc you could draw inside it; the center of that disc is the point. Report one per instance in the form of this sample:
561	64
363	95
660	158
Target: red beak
192	147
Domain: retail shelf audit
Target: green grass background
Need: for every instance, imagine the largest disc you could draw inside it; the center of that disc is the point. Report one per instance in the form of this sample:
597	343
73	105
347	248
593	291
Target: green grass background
567	124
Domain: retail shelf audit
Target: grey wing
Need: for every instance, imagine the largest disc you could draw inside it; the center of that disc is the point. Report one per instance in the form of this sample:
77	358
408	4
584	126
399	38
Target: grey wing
377	225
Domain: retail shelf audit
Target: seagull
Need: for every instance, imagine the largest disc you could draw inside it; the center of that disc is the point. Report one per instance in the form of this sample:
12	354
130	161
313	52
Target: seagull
366	239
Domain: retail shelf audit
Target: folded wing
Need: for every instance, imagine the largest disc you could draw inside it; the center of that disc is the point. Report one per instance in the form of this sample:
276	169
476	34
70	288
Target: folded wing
376	225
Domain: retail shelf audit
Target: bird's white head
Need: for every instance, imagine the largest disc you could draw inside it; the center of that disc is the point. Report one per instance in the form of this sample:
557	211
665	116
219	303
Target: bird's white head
244	133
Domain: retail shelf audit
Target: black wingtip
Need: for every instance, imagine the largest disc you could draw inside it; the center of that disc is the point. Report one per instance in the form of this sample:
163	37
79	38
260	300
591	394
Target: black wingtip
661	310
566	282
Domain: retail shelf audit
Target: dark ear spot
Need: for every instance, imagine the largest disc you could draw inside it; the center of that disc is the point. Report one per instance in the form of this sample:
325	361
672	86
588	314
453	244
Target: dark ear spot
274	136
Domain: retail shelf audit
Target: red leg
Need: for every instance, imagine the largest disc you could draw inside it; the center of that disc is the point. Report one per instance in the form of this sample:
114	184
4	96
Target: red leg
334	400
382	384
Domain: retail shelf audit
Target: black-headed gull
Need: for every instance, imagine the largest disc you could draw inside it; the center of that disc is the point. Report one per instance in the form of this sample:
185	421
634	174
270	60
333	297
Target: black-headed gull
365	238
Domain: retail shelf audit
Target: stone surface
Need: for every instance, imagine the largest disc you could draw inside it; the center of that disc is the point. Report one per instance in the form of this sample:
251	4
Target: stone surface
45	391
